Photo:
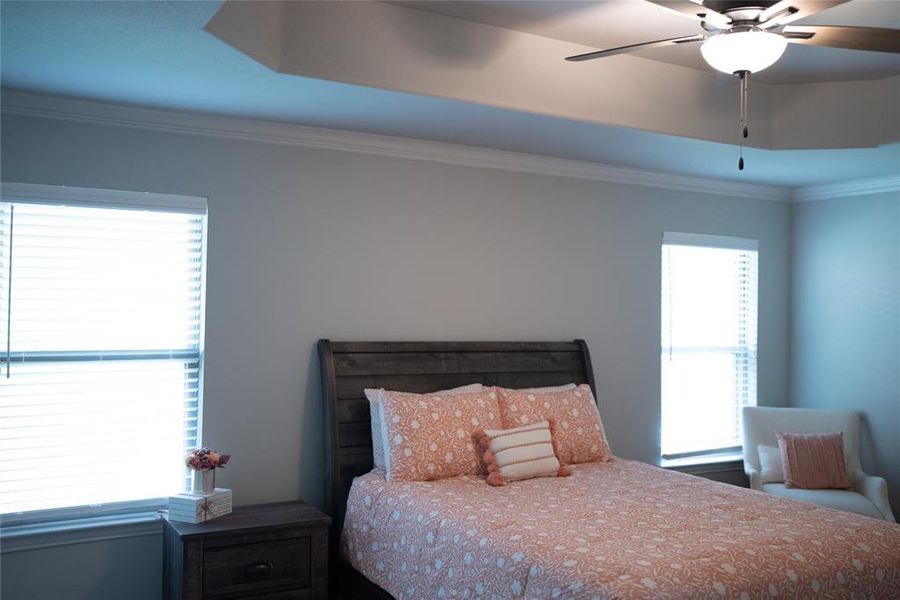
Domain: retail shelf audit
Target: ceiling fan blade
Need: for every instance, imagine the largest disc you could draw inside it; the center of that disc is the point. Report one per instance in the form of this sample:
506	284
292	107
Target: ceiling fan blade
633	47
874	39
788	11
695	10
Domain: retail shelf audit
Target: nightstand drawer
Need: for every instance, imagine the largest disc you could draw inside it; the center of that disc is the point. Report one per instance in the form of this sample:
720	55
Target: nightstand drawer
256	566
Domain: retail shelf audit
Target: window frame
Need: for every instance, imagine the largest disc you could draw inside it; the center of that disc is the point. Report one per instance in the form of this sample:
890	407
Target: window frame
722	242
30	193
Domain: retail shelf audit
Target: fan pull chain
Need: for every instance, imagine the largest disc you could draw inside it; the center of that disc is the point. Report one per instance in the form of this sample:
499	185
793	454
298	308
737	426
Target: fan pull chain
745	105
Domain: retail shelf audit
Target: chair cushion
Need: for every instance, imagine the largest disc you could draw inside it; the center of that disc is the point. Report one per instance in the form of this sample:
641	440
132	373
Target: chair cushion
840	499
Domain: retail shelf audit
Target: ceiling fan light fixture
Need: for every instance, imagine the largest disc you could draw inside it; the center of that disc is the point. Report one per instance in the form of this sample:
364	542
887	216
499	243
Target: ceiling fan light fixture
736	51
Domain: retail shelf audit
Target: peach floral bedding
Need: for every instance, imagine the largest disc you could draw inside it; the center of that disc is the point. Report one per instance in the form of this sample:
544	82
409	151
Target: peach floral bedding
618	529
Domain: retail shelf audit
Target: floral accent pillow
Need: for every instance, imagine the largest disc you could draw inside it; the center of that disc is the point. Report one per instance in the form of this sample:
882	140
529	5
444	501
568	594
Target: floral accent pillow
579	431
427	437
373	395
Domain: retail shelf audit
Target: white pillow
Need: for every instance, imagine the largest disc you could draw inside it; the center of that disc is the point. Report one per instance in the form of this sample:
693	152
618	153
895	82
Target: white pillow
374	398
549	390
373	395
463	389
770	466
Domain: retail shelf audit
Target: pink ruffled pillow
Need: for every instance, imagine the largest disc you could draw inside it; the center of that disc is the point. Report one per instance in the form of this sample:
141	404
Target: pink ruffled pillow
427	437
578	434
813	461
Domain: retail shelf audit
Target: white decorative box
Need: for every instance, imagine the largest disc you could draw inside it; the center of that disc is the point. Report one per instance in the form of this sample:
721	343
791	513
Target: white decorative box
197	508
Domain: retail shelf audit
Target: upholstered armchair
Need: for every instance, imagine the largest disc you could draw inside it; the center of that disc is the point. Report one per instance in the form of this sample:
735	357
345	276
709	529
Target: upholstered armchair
869	495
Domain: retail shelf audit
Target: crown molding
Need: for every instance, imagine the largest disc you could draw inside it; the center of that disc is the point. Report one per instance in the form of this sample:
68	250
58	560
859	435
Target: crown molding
288	134
856	187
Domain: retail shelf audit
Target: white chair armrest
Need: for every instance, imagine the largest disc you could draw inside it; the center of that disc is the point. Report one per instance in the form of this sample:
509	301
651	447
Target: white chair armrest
753	477
875	489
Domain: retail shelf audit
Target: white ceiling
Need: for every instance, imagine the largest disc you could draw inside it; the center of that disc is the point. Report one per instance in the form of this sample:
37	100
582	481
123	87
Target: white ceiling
157	54
611	23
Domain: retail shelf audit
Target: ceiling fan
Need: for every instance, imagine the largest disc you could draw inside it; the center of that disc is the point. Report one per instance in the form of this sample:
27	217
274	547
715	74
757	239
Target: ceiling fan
741	37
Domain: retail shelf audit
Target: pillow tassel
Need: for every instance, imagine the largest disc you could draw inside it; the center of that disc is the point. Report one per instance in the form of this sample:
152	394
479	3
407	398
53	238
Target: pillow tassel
482	439
494	478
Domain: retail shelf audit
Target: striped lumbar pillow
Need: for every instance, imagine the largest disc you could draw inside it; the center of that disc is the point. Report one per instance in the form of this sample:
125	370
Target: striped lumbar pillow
520	453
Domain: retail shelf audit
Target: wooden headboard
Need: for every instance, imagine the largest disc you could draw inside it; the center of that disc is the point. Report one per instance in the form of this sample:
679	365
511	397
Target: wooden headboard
350	367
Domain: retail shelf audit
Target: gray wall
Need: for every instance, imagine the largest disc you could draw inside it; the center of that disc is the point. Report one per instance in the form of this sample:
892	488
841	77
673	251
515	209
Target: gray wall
307	243
117	569
846	319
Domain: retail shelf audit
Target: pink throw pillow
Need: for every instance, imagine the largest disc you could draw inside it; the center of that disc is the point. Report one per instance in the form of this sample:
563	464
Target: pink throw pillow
813	461
578	434
428	437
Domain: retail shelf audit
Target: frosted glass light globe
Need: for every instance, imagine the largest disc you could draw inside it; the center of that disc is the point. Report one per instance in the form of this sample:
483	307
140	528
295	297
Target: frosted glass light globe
743	51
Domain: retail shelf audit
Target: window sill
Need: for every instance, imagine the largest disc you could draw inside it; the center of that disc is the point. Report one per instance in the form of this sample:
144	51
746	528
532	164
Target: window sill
22	538
701	460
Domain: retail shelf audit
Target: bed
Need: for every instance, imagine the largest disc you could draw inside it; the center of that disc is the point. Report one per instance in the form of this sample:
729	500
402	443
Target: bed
620	529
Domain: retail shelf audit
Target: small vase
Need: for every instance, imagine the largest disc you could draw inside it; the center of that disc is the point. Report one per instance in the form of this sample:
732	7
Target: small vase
204	481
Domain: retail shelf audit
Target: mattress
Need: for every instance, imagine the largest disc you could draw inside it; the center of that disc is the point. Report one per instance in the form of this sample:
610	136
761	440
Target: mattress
621	529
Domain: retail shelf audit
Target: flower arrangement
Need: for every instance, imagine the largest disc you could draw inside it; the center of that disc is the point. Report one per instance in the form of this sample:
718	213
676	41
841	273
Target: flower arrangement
205	459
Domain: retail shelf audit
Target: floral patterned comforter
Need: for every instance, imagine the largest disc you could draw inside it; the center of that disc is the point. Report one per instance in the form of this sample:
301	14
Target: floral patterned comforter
621	529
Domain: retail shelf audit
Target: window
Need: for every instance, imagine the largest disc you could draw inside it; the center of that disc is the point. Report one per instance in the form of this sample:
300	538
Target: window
101	320
708	341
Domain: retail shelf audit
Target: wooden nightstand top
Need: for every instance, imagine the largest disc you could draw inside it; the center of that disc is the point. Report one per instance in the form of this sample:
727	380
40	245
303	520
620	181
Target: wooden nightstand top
256	517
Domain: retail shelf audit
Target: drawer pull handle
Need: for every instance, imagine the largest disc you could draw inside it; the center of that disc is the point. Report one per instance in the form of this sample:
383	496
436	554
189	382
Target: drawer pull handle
258	569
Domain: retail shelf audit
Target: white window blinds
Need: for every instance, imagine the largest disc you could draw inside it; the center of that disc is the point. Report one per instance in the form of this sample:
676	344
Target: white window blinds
101	311
709	313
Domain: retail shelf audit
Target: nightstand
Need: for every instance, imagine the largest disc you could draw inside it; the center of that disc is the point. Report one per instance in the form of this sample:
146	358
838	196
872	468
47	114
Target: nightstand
730	470
263	552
